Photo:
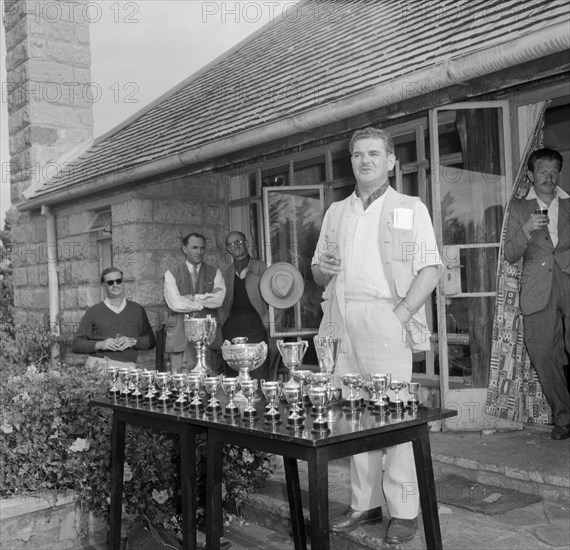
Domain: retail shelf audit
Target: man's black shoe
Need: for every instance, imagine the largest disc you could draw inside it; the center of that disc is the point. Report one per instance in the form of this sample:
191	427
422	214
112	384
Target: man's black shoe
401	530
560	432
351	519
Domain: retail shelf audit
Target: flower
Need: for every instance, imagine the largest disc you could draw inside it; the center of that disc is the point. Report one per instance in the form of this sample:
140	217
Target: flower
79	445
127	472
7	428
160	496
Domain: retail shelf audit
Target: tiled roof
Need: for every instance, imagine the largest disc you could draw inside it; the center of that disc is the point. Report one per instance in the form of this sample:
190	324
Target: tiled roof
329	50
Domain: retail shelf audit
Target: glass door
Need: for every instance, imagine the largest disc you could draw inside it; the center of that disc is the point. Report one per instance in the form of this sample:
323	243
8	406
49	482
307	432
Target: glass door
293	216
471	175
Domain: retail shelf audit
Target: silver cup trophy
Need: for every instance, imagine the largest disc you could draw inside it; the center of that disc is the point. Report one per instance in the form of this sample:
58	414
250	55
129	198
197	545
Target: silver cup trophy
272	390
113	375
292	393
292	353
244	357
414	402
354	381
249	390
319	394
327	349
230	386
396	386
381	383
211	385
163	379
194	385
200	331
181	401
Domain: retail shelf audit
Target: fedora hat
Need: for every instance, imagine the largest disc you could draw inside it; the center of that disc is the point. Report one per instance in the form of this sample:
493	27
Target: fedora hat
282	285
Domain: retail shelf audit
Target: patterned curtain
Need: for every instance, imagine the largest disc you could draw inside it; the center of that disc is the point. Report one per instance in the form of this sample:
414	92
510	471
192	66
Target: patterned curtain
514	392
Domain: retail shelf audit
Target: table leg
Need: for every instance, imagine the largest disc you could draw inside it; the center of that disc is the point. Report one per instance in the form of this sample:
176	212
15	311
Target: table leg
319	499
295	503
426	485
117	468
188	484
214	519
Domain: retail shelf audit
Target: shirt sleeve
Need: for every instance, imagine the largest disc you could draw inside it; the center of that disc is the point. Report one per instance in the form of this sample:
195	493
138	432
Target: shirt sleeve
426	252
214	299
176	301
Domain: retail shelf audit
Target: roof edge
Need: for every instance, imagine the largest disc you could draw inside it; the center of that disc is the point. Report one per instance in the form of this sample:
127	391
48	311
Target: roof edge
546	41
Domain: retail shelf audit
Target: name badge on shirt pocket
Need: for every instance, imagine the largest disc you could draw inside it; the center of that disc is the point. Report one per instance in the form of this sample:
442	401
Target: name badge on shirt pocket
403	218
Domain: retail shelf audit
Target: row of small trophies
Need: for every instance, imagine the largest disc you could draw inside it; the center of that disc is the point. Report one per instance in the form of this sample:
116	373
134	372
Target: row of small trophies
185	391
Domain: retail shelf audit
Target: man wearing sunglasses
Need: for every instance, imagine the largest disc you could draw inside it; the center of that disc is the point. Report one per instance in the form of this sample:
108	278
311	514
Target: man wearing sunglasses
116	328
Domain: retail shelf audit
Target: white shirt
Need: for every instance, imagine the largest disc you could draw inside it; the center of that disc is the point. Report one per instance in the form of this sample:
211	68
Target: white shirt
116	309
364	274
185	304
552	210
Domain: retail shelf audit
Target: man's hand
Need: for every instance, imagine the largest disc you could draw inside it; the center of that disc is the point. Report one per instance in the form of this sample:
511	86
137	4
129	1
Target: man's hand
328	266
534	223
109	344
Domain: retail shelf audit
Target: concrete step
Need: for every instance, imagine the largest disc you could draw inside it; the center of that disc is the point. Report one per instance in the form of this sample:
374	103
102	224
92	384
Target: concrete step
527	461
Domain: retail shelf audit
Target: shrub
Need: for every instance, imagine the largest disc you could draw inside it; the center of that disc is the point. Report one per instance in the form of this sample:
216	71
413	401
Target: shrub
52	438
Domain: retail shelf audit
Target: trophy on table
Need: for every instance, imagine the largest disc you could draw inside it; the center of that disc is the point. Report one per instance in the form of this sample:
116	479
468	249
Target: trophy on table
113	374
396	386
292	393
320	395
249	390
230	386
371	388
211	385
414	402
381	383
292	353
181	401
201	331
244	357
194	384
320	379
354	381
302	377
125	382
271	390
149	389
134	381
162	379
327	349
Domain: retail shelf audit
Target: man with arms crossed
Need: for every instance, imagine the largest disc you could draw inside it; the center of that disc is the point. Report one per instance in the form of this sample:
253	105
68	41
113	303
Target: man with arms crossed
197	288
378	259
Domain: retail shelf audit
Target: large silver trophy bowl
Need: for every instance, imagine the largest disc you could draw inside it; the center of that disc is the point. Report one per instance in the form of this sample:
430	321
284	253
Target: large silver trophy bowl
244	357
201	331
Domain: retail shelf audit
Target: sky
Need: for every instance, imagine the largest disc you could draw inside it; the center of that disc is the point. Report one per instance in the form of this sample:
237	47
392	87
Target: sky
140	49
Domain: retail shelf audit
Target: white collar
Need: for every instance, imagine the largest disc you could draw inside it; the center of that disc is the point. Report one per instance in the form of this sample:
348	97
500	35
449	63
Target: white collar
560	193
116	309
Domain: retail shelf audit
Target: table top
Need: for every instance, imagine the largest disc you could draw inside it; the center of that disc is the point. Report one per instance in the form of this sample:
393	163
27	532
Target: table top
343	425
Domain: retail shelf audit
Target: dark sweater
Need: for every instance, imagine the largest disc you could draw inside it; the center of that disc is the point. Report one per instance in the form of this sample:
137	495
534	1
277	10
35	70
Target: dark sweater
100	323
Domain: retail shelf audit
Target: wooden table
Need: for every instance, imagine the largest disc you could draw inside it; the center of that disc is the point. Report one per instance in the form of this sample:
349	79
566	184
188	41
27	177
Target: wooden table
165	420
349	434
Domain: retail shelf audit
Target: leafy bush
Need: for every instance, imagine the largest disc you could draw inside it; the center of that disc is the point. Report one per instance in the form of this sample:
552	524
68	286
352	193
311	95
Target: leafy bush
51	438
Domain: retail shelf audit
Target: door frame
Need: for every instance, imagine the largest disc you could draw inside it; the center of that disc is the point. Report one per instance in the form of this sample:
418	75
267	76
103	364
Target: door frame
469	402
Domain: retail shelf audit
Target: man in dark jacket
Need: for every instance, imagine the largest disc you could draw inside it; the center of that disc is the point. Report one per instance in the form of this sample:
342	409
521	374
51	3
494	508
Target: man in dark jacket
538	230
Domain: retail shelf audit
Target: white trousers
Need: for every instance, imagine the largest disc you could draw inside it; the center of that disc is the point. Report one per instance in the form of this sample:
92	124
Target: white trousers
379	345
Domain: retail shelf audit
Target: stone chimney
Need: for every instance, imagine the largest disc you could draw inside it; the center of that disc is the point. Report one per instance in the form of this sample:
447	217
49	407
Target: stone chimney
48	89
50	115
